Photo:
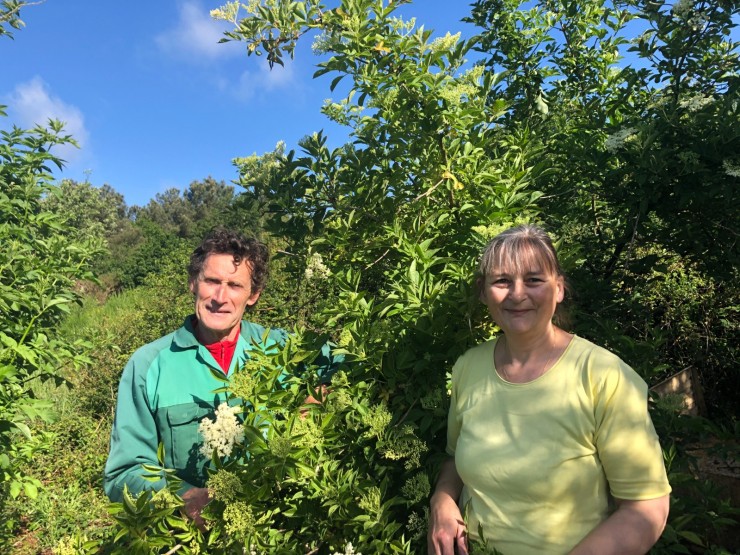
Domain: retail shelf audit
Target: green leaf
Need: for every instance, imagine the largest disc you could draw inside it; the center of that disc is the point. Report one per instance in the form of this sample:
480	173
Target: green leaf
31	490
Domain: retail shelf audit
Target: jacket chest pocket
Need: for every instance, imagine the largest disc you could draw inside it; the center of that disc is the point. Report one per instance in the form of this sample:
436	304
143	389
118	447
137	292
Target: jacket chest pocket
185	441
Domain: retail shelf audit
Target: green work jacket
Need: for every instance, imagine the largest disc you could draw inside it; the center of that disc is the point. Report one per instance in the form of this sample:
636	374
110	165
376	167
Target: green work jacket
166	389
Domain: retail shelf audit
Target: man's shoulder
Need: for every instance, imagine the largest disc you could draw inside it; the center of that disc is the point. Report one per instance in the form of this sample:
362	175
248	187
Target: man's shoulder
146	354
252	332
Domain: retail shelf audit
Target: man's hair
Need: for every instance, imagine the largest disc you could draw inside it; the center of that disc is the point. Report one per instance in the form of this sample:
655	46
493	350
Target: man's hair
242	248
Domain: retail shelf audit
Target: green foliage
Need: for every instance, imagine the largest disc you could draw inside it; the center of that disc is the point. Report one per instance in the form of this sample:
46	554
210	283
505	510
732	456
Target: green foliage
202	206
10	16
643	160
39	264
393	222
634	168
700	510
96	212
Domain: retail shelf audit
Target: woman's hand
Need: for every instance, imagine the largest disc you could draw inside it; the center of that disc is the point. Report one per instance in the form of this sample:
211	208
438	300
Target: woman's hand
447	533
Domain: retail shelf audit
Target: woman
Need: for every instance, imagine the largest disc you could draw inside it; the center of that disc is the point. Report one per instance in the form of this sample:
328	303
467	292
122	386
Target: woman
545	427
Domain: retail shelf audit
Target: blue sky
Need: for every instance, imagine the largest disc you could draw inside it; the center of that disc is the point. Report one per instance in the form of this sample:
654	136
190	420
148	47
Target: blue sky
152	98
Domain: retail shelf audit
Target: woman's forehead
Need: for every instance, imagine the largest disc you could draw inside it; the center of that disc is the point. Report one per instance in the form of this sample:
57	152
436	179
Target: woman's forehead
521	262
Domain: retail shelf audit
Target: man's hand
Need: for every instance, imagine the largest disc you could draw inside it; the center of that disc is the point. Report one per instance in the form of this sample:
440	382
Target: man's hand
195	499
321	391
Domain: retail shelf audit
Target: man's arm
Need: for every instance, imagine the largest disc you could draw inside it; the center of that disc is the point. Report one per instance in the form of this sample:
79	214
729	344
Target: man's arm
134	439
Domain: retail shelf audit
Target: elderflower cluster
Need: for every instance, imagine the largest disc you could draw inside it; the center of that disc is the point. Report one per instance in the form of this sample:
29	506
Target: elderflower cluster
164	499
242	384
376	420
348	550
615	141
221	434
370	502
443	44
281	446
345	338
488	232
731	168
407	446
239	520
417	524
340	399
224	486
402	27
456	92
432	400
306	433
416	488
696	102
385	99
315	269
325	42
255	365
698	20
682	7
227	12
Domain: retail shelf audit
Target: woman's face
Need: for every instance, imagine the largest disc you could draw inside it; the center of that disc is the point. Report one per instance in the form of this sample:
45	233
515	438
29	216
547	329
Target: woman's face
522	302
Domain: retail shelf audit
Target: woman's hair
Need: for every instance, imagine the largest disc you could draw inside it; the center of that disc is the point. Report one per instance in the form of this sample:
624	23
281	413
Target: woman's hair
242	248
520	249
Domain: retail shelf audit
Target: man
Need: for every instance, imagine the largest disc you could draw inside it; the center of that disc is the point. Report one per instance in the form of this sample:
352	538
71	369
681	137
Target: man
167	386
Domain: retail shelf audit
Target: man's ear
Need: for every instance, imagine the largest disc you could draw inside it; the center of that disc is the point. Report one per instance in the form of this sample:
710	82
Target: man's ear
253	298
191	286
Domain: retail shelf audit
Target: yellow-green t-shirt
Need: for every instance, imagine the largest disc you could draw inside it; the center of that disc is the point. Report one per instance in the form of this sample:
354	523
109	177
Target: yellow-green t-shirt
538	459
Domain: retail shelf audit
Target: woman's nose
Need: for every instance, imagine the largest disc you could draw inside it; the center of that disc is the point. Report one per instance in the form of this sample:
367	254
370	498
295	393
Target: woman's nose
516	291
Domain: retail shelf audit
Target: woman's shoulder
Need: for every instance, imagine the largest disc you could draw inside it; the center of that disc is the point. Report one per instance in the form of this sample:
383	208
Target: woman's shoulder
475	358
480	350
601	365
585	348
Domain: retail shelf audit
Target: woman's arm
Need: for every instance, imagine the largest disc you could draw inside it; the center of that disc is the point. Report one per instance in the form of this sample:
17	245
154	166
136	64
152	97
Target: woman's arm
632	529
446	526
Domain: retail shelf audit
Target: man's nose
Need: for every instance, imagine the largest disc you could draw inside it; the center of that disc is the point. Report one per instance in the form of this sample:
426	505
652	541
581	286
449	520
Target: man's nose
219	295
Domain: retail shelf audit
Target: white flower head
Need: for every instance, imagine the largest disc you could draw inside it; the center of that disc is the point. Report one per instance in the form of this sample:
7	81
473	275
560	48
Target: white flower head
315	269
682	7
221	434
443	44
615	141
349	549
731	168
696	102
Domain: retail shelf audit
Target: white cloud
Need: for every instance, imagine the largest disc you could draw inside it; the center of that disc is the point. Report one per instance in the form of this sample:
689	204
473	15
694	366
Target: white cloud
32	103
255	83
195	35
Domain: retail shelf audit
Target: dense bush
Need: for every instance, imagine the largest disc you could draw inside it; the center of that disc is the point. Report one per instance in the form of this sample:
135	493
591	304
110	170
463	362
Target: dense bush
634	169
39	263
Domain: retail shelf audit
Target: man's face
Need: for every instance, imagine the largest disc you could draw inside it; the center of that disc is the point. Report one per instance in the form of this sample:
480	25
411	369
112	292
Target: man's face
222	292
